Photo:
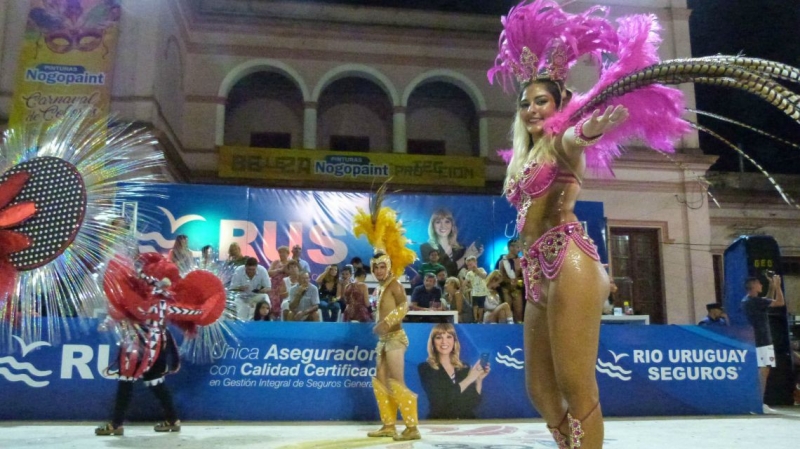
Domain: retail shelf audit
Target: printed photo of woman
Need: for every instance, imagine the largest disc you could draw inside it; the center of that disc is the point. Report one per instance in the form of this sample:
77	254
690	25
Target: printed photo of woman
443	237
453	388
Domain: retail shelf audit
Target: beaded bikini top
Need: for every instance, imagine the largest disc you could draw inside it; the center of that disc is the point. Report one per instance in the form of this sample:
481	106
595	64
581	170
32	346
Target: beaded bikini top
533	182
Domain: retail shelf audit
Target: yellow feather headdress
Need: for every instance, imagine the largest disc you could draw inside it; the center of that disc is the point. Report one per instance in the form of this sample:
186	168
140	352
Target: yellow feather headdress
384	232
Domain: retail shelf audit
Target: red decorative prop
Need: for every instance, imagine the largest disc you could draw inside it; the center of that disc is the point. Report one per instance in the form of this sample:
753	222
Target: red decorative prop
10	241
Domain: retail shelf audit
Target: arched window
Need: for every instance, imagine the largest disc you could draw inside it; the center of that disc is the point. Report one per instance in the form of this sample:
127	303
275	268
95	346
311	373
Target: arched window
264	109
354	114
442	120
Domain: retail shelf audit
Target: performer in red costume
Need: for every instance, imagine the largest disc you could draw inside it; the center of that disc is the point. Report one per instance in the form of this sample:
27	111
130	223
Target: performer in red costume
556	136
58	191
142	301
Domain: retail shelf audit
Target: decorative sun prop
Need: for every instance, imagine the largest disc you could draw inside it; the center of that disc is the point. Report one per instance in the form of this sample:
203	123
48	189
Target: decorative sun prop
56	185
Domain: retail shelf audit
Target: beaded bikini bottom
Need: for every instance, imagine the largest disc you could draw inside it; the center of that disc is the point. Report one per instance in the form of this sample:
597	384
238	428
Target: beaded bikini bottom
546	256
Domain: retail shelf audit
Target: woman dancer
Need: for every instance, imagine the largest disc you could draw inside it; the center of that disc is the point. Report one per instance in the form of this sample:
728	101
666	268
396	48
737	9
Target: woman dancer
555	137
565	281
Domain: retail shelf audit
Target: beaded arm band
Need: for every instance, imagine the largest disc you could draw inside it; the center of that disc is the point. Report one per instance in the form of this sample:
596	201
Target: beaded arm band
580	137
397	315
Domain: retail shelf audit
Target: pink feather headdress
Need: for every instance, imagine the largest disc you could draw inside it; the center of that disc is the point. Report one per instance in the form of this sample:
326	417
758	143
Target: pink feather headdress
539	40
634	77
541	27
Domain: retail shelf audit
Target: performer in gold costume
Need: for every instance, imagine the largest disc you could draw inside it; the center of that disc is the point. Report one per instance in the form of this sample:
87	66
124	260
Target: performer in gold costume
386	235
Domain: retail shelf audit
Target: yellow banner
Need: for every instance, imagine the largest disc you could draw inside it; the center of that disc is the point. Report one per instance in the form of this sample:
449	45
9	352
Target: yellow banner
312	165
66	60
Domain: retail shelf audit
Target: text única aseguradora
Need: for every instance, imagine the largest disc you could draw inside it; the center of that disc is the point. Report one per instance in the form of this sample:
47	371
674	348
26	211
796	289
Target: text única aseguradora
277	367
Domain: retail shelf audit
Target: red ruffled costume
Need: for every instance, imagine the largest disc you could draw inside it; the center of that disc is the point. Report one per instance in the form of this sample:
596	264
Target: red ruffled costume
150	297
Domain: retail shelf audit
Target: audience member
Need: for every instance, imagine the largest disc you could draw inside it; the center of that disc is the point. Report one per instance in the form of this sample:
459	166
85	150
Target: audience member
457	301
252	283
207	261
297	251
356	296
427	296
441	278
432	265
608	306
716	316
292	278
495	310
345	278
277	271
475	278
512	286
235	257
357	263
755	309
328	283
181	256
303	300
262	311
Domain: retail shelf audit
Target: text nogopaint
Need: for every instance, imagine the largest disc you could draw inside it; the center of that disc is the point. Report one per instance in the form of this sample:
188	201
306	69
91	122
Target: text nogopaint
67	79
352	170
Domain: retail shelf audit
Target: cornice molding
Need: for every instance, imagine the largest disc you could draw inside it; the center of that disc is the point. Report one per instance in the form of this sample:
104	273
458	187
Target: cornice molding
756	222
367	17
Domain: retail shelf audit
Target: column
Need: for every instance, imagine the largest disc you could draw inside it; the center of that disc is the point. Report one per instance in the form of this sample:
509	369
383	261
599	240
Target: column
399	138
483	134
310	125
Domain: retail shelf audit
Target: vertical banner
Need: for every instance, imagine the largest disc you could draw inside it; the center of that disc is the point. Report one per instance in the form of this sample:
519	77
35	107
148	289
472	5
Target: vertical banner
66	60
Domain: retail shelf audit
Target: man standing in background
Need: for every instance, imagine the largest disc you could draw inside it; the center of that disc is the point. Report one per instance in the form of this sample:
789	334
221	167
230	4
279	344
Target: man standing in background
755	309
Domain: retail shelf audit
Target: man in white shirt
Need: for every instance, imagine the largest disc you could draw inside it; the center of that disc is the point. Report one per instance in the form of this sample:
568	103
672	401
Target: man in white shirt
252	283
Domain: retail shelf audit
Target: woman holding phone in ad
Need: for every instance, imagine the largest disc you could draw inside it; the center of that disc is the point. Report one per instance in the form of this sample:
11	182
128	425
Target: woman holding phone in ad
453	389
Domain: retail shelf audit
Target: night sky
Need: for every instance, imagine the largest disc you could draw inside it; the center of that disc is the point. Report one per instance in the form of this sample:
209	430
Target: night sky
767	29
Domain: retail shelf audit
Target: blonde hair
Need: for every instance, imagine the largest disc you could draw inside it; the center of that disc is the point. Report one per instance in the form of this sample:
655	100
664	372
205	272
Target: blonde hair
433	356
452	280
433	238
491	277
542	151
234	245
283	248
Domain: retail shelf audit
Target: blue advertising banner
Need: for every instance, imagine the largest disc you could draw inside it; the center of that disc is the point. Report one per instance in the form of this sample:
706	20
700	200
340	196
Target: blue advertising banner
261	220
314	371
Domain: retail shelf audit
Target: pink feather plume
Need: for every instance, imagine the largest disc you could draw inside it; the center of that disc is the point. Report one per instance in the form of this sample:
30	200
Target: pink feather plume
655	111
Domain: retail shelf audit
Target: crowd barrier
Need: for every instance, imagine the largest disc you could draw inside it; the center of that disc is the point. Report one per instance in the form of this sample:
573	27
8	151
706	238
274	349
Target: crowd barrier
322	371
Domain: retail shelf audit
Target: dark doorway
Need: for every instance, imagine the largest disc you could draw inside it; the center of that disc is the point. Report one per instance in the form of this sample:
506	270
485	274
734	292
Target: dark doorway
636	256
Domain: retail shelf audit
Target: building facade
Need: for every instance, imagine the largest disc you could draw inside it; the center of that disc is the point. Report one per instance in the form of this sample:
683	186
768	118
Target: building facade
208	74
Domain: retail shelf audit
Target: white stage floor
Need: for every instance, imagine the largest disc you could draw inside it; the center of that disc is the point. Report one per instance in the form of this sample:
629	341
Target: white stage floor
715	432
